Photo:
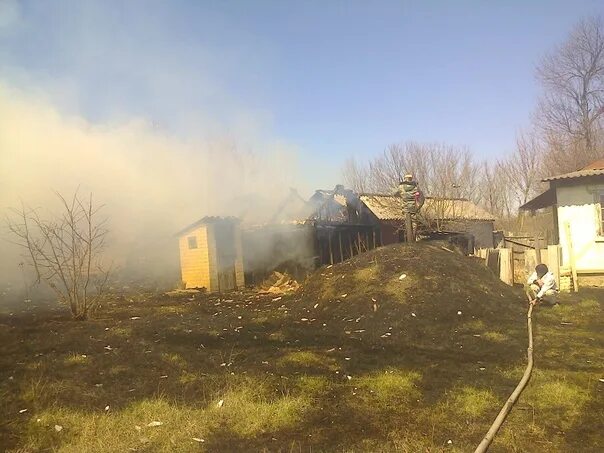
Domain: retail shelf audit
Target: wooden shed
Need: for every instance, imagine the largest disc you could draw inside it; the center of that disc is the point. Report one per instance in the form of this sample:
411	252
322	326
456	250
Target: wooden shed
211	254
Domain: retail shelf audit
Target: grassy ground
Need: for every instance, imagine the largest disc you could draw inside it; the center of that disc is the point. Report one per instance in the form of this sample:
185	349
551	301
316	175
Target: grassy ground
360	360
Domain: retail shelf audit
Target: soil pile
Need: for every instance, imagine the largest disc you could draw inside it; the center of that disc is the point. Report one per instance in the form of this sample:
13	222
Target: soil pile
418	293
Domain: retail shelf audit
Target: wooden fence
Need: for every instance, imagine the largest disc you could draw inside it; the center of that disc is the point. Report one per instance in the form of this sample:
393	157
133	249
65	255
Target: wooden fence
514	266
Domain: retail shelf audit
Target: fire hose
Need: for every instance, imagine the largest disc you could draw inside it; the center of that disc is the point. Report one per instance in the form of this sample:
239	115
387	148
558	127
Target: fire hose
507	407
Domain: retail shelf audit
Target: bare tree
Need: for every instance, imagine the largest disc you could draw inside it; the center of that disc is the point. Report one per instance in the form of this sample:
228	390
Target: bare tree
522	168
442	171
571	110
386	170
495	190
65	251
356	176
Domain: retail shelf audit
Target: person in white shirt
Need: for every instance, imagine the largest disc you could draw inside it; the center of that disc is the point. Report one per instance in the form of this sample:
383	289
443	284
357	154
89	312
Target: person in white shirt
542	286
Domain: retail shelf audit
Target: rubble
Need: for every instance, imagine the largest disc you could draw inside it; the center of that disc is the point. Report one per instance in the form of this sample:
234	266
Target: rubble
278	283
185	292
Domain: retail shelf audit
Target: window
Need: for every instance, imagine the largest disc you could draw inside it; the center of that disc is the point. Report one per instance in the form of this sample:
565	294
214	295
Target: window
192	242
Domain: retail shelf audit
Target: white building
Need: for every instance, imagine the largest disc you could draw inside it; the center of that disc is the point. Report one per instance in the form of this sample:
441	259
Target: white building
577	199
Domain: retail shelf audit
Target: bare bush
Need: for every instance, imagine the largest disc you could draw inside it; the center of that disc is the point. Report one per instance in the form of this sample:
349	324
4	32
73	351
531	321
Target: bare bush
65	250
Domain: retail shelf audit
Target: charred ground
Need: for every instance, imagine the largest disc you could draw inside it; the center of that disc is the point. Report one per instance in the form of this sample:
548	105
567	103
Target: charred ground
359	359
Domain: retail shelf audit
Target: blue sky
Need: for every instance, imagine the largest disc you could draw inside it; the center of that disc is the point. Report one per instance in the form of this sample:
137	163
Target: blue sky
332	78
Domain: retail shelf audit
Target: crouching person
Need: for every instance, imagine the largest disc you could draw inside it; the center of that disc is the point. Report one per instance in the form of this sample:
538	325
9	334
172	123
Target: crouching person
542	286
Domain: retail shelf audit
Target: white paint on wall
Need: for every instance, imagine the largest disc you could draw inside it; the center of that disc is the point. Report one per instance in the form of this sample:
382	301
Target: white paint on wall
579	206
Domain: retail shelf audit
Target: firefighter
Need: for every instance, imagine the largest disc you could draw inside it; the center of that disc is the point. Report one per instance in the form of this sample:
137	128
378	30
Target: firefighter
413	198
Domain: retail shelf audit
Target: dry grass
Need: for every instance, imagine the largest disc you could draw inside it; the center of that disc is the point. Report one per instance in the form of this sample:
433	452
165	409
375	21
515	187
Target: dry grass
293	385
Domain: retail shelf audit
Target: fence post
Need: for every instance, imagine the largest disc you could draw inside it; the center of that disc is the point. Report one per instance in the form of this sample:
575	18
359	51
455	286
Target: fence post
571	257
506	266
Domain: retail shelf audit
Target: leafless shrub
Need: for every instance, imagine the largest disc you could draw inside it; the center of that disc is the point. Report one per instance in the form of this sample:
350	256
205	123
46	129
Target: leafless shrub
65	250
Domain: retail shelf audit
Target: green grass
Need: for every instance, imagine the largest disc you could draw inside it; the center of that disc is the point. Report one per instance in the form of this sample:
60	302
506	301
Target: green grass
289	384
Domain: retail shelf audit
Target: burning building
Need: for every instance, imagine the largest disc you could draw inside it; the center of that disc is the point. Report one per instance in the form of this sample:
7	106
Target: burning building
332	226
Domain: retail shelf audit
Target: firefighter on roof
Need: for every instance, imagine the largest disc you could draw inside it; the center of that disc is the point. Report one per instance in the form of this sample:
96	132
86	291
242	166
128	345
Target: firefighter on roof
413	199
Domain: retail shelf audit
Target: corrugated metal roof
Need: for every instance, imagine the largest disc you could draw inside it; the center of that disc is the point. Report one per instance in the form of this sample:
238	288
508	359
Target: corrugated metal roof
594	169
575	174
597	165
544	200
390	207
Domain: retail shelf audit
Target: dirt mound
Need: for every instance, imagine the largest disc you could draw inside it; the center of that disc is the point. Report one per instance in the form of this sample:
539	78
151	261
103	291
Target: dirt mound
420	293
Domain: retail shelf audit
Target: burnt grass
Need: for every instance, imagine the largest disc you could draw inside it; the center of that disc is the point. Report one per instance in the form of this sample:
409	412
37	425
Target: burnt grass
404	348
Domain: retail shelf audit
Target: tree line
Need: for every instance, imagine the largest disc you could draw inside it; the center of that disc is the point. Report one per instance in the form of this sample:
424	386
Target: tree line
565	134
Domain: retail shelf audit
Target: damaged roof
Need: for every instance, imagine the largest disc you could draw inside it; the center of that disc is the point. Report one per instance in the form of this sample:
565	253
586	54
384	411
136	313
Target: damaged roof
390	207
293	209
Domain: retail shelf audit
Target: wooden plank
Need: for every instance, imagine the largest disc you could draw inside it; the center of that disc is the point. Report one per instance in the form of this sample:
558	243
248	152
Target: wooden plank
506	266
553	253
507	239
340	243
493	260
530	261
538	250
330	248
571	256
409	228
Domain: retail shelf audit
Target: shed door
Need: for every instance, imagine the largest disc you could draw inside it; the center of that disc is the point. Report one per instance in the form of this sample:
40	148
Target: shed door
227	255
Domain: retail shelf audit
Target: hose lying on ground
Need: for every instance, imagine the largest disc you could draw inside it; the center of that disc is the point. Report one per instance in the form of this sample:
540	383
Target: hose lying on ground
507	407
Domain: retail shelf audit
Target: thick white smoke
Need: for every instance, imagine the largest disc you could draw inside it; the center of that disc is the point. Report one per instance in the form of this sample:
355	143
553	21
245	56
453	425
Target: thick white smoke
152	184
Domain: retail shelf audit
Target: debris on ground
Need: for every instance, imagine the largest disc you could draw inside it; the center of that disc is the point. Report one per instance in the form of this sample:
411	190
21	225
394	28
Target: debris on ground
185	292
278	283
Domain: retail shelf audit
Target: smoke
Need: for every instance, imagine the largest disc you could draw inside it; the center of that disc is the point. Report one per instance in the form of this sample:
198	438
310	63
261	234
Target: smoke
151	183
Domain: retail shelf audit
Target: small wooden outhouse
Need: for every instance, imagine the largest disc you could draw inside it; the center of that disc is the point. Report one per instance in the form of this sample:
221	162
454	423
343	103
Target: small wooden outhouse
211	254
